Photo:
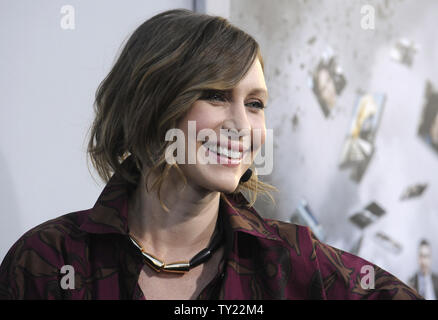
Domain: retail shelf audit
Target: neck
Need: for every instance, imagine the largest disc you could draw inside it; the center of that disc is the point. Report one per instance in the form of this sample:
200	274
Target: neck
181	232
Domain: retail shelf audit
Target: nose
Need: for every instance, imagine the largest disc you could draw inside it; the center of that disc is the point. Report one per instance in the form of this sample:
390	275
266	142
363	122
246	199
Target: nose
237	123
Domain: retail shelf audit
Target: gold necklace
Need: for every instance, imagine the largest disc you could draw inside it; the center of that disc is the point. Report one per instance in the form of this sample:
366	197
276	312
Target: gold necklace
181	266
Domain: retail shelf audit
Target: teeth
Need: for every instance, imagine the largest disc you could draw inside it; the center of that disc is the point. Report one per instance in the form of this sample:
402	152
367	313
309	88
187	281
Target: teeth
225	151
235	154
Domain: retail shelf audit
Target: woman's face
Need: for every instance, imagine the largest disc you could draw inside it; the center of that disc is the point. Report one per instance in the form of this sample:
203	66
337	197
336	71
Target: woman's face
237	110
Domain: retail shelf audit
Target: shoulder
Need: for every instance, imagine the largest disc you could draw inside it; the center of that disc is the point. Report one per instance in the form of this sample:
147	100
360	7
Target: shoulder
38	255
342	275
247	219
296	237
51	235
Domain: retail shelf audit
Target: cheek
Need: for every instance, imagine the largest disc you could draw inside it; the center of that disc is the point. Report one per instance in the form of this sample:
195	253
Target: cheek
205	116
259	130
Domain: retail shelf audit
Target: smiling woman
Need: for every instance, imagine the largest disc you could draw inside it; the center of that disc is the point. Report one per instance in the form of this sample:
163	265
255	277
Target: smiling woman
180	229
176	64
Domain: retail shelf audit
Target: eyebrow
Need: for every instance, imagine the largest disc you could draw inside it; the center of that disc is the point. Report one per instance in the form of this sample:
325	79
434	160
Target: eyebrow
261	91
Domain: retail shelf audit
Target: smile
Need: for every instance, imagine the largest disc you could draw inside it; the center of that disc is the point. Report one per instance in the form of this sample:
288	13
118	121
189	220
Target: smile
224	151
230	157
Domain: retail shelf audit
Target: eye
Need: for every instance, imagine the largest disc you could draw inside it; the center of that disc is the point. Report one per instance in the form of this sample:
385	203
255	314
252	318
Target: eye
223	96
214	95
257	105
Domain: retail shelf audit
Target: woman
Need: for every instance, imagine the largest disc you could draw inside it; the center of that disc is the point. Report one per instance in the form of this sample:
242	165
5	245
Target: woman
164	229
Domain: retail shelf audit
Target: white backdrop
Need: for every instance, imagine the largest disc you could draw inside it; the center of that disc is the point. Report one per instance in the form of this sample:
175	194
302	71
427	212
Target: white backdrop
48	78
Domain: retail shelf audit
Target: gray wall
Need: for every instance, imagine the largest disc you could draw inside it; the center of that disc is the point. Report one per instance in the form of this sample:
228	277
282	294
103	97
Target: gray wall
306	159
48	77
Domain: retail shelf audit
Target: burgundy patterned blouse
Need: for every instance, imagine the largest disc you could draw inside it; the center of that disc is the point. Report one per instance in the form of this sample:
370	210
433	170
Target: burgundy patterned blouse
264	259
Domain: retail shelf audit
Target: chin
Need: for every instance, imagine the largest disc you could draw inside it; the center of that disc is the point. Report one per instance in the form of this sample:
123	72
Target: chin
220	183
214	180
227	189
222	186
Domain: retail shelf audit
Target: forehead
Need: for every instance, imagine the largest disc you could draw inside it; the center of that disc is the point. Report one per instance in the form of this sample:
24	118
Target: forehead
253	81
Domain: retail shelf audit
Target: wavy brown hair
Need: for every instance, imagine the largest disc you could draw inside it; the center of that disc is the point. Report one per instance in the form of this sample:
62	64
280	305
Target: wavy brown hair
167	64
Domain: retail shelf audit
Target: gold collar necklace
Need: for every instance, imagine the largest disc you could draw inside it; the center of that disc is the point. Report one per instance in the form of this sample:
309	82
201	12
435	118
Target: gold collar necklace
181	266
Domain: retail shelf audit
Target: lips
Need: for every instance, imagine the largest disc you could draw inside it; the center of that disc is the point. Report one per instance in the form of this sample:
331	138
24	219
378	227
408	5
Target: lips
231	148
229	153
229	157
